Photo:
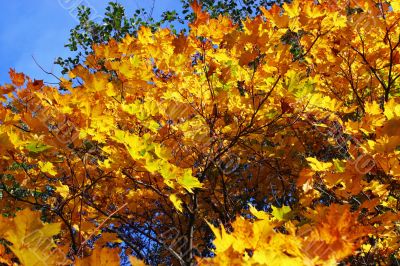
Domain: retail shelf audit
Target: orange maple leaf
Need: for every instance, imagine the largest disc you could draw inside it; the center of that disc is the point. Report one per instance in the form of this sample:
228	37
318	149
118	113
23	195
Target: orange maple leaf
18	79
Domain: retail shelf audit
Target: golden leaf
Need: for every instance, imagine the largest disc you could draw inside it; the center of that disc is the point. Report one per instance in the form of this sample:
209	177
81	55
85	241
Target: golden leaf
32	240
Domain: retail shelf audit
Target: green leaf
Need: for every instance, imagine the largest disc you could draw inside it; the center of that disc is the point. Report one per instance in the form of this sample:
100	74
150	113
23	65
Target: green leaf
188	181
281	213
37	147
339	165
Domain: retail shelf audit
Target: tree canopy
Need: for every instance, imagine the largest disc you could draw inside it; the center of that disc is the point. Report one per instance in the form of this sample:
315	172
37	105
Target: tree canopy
270	142
116	23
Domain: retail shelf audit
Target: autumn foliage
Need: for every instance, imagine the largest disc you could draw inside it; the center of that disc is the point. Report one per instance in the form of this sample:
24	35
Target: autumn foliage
271	143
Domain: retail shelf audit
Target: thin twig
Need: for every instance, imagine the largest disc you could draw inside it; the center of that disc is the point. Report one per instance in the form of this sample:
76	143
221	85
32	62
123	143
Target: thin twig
100	225
45	71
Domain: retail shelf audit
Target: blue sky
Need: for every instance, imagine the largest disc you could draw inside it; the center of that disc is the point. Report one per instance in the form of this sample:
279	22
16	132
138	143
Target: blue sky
40	28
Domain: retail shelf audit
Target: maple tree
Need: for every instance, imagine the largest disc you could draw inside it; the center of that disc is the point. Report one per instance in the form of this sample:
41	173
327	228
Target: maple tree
116	23
93	28
217	147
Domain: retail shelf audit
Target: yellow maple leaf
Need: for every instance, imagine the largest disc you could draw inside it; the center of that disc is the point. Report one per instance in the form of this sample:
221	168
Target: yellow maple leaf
222	240
392	109
188	181
395	4
258	214
62	189
47	167
136	262
317	165
281	213
32	240
293	9
177	202
313	11
372	108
